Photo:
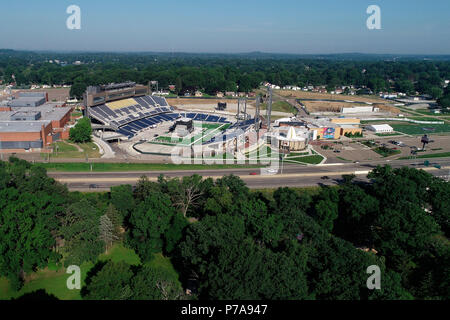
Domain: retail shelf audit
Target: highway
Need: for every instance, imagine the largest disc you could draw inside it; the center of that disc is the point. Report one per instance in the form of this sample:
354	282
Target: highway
292	175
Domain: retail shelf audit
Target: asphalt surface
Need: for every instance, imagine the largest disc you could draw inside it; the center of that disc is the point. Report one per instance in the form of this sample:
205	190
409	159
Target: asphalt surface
291	175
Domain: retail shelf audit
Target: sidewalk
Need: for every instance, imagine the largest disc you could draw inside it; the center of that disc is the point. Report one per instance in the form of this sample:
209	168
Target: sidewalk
105	149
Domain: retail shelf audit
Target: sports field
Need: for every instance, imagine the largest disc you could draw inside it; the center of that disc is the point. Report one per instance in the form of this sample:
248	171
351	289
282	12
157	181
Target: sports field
421	128
208	130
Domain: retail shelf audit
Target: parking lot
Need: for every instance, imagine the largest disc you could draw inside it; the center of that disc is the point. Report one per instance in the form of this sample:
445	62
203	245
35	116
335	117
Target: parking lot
356	150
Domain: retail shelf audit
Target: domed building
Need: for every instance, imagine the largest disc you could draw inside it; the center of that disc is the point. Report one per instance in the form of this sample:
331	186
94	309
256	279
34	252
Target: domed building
290	138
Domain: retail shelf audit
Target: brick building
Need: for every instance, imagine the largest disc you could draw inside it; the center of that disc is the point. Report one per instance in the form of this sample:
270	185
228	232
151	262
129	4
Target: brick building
33	128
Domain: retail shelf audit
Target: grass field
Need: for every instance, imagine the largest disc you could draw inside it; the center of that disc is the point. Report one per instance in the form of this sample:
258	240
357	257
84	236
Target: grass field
54	281
117	167
422	128
208	131
281	106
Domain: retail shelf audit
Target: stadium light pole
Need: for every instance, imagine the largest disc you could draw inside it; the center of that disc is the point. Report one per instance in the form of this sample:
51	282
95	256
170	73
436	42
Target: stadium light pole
269	108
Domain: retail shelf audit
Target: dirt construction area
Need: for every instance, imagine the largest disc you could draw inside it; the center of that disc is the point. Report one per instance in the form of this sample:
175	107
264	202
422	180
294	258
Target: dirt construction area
209	105
327	96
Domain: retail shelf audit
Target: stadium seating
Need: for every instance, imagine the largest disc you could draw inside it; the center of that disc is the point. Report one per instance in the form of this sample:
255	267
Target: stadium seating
130	116
119	113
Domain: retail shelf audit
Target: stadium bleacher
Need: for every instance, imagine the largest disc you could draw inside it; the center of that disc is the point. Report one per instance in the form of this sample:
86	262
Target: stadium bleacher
130	116
121	112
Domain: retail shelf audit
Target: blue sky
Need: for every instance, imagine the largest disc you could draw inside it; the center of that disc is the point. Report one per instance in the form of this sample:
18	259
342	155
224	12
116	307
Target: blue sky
229	26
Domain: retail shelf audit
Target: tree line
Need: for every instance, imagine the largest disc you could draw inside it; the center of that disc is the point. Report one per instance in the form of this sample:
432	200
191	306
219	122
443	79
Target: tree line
212	73
228	242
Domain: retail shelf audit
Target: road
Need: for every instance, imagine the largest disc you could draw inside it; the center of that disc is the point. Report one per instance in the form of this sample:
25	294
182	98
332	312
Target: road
292	176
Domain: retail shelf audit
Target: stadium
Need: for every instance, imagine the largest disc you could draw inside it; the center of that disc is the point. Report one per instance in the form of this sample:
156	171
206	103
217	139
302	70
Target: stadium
128	113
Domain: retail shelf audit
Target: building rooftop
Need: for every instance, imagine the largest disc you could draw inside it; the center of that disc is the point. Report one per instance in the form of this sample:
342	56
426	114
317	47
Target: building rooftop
381	126
22	126
49	111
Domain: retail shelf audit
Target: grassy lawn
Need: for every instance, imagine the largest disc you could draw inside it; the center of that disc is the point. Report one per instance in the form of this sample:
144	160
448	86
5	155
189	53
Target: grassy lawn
386	152
422	118
54	281
111	167
119	253
298	154
63	149
421	129
281	106
315	159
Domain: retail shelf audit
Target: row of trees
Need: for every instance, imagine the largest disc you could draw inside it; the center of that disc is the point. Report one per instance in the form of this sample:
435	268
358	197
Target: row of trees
232	242
214	73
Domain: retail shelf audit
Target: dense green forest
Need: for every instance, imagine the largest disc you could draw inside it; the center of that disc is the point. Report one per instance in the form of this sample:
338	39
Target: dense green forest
216	72
234	243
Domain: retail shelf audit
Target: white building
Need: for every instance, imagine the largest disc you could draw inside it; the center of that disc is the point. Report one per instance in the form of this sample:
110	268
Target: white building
359	109
380	128
289	138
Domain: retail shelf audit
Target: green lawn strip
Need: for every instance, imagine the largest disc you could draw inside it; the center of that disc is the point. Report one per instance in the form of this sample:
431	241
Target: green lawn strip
428	156
295	155
315	159
419	118
108	167
387	134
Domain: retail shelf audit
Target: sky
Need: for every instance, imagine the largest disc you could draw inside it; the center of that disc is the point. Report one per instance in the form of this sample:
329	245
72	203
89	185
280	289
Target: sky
228	26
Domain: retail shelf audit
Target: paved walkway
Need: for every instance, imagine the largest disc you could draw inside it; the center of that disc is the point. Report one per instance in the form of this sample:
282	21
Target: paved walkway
105	147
